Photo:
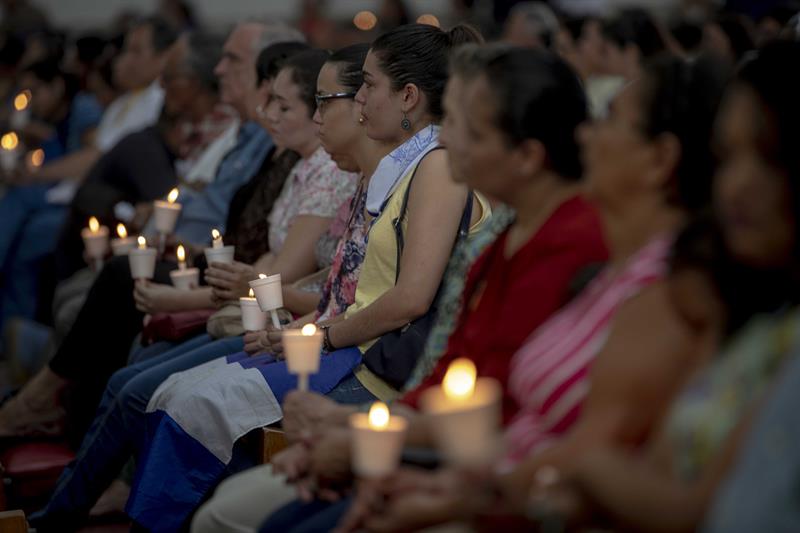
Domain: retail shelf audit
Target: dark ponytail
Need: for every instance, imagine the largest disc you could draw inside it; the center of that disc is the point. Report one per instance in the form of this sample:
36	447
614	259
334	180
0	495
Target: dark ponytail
418	54
305	67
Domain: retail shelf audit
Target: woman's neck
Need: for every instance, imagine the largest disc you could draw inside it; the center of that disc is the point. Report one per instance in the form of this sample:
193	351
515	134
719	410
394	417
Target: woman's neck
369	154
629	229
406	135
533	205
309	149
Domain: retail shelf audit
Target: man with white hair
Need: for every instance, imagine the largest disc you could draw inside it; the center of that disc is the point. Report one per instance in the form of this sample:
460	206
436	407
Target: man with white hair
531	25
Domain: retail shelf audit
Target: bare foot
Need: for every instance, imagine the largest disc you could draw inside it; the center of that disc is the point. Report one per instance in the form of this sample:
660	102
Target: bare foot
113	500
35	410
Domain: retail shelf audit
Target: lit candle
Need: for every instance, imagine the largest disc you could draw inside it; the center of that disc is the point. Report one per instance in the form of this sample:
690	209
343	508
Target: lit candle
465	414
219	253
216	239
253	318
184	278
123	244
302	348
9	153
166	212
181	257
269	295
35	160
142	260
377	441
21	115
95	240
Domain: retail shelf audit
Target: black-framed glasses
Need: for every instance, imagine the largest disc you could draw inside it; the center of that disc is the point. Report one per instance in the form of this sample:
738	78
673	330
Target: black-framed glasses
320	98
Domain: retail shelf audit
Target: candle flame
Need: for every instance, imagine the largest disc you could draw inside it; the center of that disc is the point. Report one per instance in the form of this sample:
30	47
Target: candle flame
215	235
9	141
121	231
22	100
251	294
308	330
172	196
181	253
262	276
94	225
378	416
142	242
459	381
37	157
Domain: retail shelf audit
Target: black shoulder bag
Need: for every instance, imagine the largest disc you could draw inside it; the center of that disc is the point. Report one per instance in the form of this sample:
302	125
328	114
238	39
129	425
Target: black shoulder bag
395	354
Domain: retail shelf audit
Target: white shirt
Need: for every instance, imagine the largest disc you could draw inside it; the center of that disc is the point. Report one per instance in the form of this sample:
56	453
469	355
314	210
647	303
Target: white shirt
133	111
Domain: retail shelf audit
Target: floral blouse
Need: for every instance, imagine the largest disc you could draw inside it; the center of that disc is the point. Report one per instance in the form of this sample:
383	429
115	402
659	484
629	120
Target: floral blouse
340	289
316	187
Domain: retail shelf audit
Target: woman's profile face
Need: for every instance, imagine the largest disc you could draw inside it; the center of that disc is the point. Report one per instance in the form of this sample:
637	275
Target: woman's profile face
380	104
751	194
337	118
289	116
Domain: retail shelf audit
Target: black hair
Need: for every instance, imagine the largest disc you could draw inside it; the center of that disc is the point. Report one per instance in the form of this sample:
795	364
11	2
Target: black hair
735	28
90	48
773	75
634	26
576	25
682	98
204	52
350	61
305	68
162	34
535	95
48	70
12	51
418	54
272	58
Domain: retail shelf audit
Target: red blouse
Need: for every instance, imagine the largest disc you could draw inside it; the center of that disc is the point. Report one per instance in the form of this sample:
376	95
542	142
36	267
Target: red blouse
506	299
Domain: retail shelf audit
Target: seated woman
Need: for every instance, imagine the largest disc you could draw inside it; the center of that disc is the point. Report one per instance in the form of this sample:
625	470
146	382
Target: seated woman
642	203
120	424
671	484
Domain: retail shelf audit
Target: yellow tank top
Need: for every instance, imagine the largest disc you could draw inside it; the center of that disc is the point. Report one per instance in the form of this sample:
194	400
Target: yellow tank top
379	269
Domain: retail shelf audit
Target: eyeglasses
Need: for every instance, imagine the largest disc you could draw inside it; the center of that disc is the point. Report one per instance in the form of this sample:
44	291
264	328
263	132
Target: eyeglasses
320	98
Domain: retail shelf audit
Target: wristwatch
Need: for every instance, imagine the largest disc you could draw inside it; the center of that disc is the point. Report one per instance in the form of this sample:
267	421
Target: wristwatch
326	339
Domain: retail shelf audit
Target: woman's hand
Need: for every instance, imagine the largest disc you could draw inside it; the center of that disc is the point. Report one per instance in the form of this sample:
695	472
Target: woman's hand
307	413
292	462
264	341
154	298
230	281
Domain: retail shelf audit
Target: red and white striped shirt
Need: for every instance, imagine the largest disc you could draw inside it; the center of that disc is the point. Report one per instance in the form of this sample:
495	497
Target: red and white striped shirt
549	375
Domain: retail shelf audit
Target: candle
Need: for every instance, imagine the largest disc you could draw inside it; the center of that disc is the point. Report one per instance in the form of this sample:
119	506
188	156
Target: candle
219	253
216	239
166	213
253	318
34	160
465	414
123	244
142	260
21	115
95	241
181	257
377	441
184	278
9	153
269	295
302	348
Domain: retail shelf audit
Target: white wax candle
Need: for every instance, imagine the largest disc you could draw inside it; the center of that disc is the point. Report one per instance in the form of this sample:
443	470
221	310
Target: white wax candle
377	441
253	318
185	279
166	213
216	239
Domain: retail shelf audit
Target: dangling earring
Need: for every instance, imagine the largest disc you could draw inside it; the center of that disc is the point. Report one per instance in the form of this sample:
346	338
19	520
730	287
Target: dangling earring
405	123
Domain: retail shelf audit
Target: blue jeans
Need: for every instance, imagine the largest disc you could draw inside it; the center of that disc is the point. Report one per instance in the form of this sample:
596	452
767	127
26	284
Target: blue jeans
351	391
118	431
29	233
312	517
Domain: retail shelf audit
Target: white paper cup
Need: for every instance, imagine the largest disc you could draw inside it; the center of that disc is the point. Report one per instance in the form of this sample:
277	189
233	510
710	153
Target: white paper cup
467	433
185	279
302	351
166	216
142	262
268	292
376	453
223	254
96	244
253	318
122	246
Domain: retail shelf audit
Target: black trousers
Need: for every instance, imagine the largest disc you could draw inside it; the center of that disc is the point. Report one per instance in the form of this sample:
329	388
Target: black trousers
100	340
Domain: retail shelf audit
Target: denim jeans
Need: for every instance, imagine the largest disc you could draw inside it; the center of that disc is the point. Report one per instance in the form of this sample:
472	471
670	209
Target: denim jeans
118	431
351	391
